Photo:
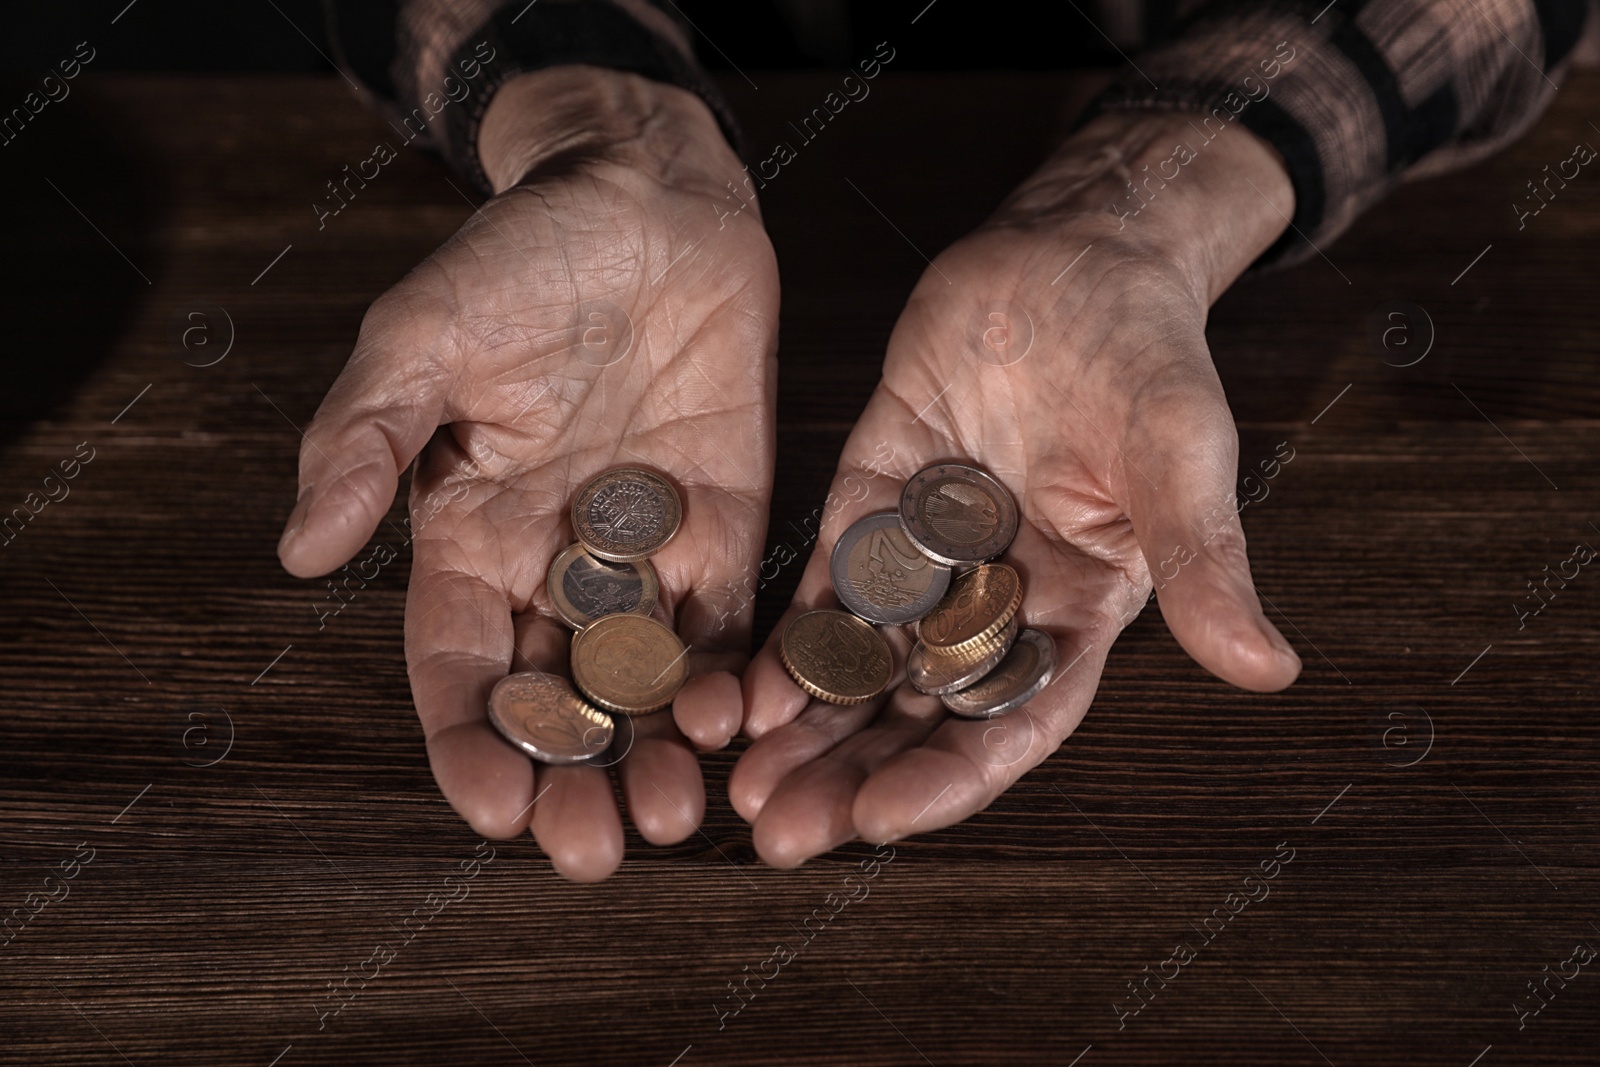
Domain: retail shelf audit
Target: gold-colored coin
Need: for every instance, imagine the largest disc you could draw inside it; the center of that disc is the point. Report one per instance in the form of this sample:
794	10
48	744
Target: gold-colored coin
973	652
629	664
836	657
626	514
937	673
977	607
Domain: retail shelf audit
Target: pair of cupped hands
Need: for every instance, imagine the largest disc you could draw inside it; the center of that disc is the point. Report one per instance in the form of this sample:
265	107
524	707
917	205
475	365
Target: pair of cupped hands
1092	396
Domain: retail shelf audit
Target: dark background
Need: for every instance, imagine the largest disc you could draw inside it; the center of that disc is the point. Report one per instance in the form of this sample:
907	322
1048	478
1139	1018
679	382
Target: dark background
1434	768
203	35
49	262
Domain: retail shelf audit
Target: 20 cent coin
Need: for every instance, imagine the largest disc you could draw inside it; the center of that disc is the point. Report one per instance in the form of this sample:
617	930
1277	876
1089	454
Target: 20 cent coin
937	673
977	606
1027	669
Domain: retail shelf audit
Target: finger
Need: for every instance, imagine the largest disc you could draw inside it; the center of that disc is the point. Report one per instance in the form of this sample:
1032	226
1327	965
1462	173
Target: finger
778	753
811	810
382	409
967	763
772	698
710	576
661	782
707	709
575	818
577	824
458	637
1183	453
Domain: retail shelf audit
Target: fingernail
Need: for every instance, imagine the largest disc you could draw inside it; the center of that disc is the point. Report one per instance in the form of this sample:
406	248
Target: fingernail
297	517
1283	647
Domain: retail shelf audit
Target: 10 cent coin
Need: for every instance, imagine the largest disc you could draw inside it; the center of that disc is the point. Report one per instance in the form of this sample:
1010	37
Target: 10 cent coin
881	576
957	514
540	714
629	663
626	514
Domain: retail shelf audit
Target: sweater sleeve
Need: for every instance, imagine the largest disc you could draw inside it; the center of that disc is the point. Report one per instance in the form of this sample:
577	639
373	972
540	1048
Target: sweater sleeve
1356	96
432	66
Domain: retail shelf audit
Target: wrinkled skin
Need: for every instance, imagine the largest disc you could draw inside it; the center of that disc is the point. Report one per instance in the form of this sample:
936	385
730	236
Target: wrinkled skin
594	316
610	311
1109	424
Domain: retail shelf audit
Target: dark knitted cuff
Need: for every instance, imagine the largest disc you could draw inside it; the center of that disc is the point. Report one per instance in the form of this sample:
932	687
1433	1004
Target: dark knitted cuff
1230	68
518	39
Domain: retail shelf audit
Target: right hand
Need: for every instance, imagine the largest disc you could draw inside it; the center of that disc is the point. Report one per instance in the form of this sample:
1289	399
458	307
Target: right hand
601	311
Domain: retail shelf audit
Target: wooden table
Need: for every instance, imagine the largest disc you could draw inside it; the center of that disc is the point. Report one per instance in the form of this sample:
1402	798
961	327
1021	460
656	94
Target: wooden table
233	810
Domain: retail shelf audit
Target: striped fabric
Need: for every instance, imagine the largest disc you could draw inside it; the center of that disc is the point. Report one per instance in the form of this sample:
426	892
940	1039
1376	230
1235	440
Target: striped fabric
1356	95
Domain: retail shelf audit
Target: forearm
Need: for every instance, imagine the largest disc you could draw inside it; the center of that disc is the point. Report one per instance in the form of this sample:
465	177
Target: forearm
1155	182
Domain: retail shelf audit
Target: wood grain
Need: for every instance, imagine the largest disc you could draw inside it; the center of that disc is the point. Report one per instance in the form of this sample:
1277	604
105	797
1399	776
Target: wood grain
221	900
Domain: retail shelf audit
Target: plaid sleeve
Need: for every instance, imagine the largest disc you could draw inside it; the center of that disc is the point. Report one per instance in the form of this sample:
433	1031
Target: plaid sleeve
433	65
1356	96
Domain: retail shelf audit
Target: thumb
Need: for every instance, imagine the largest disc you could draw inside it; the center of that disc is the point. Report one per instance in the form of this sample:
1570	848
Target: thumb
383	408
1185	452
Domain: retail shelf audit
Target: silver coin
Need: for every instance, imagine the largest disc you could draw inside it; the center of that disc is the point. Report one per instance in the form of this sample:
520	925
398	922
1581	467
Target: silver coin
936	674
957	514
1027	669
881	576
542	715
583	588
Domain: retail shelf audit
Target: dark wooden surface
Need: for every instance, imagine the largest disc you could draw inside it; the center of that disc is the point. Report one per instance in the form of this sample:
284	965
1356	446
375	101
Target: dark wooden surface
146	613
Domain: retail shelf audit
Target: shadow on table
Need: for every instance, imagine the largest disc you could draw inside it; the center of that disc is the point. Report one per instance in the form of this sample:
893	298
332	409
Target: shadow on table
69	290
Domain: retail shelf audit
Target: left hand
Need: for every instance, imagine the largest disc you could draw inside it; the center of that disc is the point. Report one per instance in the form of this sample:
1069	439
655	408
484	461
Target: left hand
1112	431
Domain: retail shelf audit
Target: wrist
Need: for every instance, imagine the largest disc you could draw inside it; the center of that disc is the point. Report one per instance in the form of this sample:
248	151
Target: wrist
540	119
1159	186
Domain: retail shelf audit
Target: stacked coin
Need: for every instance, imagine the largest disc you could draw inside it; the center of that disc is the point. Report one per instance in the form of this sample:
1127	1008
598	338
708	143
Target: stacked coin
604	587
895	568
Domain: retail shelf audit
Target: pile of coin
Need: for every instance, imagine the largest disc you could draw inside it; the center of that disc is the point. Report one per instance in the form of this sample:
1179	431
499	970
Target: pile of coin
623	662
898	568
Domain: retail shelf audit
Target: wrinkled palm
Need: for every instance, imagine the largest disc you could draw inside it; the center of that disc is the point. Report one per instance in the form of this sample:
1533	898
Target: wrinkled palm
596	318
1094	399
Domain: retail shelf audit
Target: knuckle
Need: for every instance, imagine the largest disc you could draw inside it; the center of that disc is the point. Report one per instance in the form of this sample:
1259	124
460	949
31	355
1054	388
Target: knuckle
410	310
1228	547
